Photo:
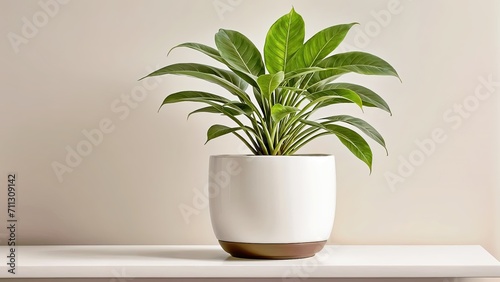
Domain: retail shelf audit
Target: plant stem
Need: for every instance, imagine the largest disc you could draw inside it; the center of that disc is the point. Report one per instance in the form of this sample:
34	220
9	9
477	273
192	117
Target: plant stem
246	143
297	147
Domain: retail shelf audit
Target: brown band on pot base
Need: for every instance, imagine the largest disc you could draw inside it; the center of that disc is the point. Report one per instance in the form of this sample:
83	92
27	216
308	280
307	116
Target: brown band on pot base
271	250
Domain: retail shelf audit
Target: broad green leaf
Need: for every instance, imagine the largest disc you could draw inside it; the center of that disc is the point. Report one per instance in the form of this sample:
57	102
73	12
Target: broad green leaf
214	110
211	99
279	112
298	74
269	82
351	139
223	78
248	130
370	98
358	62
207	50
354	142
283	39
302	72
218	130
214	54
194	96
330	96
362	125
315	124
319	46
244	76
239	52
321	78
313	82
240	108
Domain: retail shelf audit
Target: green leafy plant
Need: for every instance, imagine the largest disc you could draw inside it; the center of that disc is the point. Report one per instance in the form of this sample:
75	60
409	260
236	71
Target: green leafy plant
272	110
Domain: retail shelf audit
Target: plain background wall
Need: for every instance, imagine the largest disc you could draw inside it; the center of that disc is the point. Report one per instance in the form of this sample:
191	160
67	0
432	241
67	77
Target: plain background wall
72	71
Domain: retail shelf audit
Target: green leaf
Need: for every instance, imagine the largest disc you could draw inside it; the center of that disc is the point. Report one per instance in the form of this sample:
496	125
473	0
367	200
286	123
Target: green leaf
358	62
362	125
248	130
208	109
334	96
354	142
351	139
370	98
193	96
258	97
240	108
279	112
302	72
321	78
298	76
214	54
207	50
214	110
223	78
239	52
218	130
319	46
269	82
283	39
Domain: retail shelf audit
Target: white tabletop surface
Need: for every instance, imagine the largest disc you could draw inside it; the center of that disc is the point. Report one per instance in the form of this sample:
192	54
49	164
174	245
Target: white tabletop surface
166	261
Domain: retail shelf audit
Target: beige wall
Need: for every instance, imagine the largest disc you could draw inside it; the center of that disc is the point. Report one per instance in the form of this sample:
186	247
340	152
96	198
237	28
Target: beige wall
68	73
496	237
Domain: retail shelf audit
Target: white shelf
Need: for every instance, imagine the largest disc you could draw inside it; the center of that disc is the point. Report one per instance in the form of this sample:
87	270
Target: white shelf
211	261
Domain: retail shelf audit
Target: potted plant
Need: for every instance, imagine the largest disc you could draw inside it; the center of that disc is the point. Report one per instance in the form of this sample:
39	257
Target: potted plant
274	203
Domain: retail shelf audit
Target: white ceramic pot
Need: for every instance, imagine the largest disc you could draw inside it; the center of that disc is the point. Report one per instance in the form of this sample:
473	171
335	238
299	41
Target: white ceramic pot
275	207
